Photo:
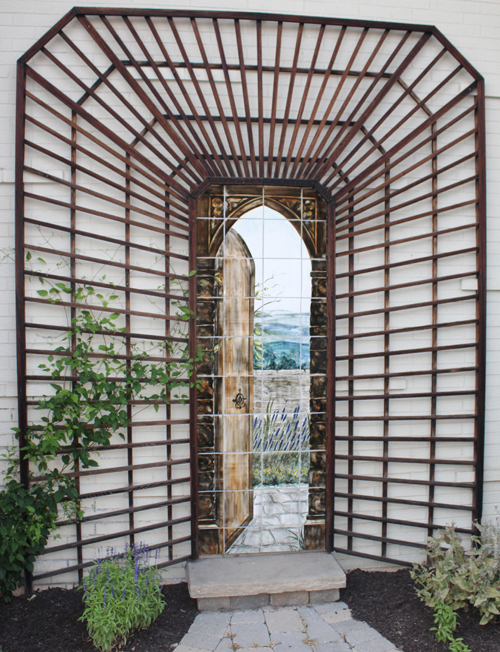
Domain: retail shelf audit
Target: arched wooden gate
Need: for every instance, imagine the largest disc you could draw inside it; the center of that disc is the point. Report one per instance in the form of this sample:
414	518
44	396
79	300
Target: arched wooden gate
125	117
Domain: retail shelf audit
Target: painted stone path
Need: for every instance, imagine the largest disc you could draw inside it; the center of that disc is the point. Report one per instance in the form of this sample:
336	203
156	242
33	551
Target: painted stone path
321	627
279	514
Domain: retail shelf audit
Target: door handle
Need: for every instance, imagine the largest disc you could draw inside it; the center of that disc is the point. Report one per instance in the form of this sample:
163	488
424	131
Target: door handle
239	400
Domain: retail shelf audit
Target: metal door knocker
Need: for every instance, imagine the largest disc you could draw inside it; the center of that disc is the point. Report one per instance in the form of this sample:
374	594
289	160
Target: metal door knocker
239	400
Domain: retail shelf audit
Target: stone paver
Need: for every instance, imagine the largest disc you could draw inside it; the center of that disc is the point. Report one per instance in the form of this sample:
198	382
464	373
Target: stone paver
244	602
332	647
377	644
312	628
293	641
285	620
317	628
214	604
250	634
226	645
201	641
332	614
211	624
330	606
355	631
320	597
290	598
248	616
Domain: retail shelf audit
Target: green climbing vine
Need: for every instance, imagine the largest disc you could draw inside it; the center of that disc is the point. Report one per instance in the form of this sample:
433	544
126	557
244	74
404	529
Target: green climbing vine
93	379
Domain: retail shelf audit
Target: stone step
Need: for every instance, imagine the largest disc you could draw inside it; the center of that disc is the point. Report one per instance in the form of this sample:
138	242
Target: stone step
251	581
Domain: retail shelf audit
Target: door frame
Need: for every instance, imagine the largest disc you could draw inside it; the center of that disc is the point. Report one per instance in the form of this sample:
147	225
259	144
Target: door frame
330	344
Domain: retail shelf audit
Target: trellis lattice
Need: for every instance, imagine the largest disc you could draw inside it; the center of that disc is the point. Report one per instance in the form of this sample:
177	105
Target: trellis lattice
125	117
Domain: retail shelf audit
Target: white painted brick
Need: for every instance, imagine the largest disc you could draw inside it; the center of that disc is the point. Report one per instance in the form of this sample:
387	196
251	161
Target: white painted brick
469	24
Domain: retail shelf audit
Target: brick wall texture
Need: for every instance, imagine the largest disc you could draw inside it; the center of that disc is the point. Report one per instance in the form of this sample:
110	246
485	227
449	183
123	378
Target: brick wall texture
471	25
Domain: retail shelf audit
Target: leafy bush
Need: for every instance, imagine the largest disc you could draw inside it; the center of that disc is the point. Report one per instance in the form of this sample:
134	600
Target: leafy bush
121	594
462	579
27	518
457	579
445	620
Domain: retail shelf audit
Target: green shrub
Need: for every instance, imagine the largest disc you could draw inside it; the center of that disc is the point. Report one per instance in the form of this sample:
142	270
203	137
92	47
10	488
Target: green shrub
463	579
458	579
28	515
121	594
445	620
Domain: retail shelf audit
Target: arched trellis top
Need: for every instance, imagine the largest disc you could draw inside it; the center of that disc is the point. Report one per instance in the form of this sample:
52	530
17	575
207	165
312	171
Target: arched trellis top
127	117
244	134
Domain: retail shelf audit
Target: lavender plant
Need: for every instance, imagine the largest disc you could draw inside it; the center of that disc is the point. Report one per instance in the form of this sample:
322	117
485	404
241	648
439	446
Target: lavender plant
280	440
280	431
121	594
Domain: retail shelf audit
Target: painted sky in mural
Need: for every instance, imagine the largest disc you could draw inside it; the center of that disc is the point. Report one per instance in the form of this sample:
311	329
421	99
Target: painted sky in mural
283	288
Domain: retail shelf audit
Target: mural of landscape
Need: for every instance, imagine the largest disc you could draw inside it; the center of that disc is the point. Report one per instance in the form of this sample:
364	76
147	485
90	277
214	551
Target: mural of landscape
261	322
286	344
281	357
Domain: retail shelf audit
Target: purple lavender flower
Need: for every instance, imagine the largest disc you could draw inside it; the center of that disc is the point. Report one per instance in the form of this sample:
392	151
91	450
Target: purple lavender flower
138	595
104	599
113	591
123	593
98	566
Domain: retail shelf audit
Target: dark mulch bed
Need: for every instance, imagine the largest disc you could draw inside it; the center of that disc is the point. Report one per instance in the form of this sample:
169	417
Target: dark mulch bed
388	602
49	621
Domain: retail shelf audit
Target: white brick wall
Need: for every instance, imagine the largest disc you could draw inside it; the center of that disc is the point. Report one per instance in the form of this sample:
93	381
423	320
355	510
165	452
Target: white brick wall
471	25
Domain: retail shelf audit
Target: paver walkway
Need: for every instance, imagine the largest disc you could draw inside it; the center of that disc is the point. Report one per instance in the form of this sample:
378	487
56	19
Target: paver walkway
320	627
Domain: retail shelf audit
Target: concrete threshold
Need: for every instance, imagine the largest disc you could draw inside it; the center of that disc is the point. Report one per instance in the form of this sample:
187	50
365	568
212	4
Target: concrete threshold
252	581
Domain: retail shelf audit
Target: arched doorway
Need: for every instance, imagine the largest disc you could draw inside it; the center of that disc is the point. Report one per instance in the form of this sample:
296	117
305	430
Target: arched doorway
261	289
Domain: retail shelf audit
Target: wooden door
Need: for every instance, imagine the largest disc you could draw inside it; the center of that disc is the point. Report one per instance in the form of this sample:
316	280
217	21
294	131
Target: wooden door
234	393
